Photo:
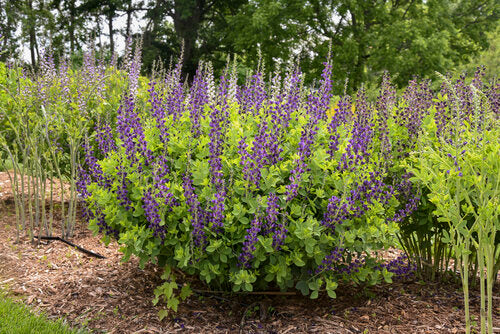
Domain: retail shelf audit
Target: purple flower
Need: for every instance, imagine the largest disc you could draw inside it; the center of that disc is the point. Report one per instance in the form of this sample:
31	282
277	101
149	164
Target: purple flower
318	103
198	215
251	239
251	174
101	223
418	99
218	123
174	100
407	195
339	117
133	65
272	224
359	145
105	138
292	91
400	267
198	98
122	192
131	133
253	95
385	102
330	262
152	212
304	151
358	201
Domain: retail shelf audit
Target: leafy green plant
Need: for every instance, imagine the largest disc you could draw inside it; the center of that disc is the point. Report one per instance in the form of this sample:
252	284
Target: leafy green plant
462	174
44	118
241	195
167	292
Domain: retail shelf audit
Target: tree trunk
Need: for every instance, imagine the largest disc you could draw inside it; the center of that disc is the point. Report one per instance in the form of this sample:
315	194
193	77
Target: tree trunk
32	33
187	17
359	67
129	18
71	27
111	33
99	30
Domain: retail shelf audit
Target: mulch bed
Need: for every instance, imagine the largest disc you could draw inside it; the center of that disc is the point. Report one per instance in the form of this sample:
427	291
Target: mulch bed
108	296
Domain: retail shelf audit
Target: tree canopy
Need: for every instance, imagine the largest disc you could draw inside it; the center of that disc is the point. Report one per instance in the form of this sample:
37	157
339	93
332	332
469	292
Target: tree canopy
404	37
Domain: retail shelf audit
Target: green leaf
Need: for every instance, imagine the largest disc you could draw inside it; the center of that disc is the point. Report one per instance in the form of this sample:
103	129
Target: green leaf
200	172
297	259
320	193
267	243
185	292
214	245
303	287
173	303
166	273
330	288
162	314
331	294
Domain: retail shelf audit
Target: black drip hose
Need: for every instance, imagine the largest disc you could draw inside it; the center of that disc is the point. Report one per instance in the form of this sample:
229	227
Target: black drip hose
83	250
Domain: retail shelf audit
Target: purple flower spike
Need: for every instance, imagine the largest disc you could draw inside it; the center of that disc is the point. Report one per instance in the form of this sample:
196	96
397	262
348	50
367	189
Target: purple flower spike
250	240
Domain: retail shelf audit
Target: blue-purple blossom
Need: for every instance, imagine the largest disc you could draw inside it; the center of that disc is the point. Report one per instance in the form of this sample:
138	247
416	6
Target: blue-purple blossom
274	225
122	193
152	212
304	151
131	133
105	138
385	102
158	112
408	196
358	201
251	238
198	215
198	98
218	118
175	98
340	117
401	267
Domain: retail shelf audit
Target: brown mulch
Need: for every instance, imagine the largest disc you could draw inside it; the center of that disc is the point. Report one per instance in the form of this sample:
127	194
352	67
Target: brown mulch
107	296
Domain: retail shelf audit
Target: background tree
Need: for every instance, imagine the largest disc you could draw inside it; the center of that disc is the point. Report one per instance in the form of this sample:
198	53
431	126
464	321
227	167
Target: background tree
404	37
490	58
9	16
200	25
70	27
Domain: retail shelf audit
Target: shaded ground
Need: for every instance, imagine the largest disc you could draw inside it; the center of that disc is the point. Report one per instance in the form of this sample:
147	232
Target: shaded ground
110	297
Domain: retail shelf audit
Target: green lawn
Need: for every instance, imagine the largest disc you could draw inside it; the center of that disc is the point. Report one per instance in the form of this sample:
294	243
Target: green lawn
17	318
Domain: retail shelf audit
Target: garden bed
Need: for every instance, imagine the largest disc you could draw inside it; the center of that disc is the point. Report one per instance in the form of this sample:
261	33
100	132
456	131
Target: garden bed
108	296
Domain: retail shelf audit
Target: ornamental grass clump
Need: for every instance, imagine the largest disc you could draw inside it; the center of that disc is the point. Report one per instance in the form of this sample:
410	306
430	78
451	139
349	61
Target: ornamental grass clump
248	187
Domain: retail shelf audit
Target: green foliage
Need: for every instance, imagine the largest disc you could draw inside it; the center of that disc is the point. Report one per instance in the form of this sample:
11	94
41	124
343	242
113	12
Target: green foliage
490	58
299	262
405	37
167	292
44	118
461	175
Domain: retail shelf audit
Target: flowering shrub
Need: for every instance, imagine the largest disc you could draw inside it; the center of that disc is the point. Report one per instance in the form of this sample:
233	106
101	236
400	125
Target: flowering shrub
253	189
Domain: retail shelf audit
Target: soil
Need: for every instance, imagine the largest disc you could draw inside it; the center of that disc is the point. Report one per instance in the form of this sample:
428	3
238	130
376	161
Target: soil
108	296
